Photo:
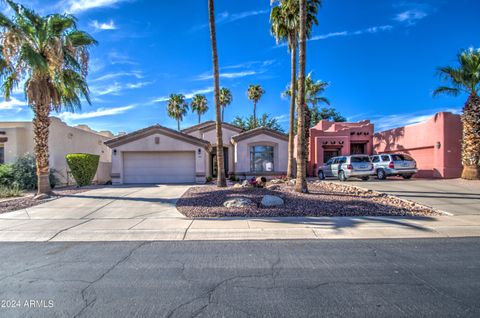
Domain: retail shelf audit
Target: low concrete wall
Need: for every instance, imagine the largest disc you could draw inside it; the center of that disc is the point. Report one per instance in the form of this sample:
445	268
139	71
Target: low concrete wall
435	144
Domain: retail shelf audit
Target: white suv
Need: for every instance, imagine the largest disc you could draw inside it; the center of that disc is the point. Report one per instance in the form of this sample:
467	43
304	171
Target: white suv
394	164
345	167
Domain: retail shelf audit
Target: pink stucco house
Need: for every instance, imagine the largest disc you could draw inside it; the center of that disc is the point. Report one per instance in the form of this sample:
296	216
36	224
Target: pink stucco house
329	139
436	145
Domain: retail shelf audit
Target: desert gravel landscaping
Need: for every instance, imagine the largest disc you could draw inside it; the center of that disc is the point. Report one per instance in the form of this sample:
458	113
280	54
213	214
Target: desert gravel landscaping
325	199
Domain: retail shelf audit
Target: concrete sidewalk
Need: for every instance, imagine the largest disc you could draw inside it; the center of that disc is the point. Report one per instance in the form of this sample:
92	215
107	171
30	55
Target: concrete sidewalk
149	213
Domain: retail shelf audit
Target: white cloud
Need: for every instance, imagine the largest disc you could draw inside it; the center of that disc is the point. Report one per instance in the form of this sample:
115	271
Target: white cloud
285	118
120	58
328	35
103	26
226	17
116	88
100	112
230	75
12	103
411	16
77	6
188	95
111	76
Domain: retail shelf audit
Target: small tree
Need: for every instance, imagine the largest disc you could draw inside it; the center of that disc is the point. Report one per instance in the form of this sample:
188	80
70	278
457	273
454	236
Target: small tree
83	167
265	120
255	92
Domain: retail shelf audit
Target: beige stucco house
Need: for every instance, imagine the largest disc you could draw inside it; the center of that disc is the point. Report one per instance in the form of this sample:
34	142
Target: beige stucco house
161	155
16	139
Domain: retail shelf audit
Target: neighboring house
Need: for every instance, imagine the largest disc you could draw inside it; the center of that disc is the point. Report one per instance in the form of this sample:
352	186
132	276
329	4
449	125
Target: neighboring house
161	155
17	139
435	144
330	139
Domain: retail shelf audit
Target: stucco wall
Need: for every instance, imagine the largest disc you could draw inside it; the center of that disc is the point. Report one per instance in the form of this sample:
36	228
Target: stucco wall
63	140
211	137
166	144
242	153
435	144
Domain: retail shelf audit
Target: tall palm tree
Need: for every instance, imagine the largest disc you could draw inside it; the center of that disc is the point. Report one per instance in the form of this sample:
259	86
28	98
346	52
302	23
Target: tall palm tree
466	79
285	20
301	181
199	105
255	92
51	56
221	180
177	108
226	99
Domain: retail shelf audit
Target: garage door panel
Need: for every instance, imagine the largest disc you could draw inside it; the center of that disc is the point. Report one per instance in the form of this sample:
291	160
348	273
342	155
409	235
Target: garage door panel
159	167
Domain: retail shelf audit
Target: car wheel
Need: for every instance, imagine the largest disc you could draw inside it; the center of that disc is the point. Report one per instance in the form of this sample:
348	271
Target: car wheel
341	176
321	176
381	175
407	176
365	178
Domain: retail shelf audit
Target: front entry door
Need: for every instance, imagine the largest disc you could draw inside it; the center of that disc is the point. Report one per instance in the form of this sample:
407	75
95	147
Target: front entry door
214	161
327	154
357	149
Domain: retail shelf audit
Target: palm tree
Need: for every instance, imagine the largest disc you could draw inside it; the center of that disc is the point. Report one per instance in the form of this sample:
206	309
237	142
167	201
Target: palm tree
285	21
301	181
226	99
177	107
466	79
50	55
255	92
199	105
221	180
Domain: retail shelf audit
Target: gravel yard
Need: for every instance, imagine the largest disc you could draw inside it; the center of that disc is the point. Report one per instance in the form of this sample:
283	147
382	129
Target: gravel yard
324	199
27	201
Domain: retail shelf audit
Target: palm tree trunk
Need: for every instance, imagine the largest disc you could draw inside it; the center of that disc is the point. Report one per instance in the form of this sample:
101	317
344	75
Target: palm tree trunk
255	114
301	181
221	181
199	118
223	113
291	135
41	125
471	138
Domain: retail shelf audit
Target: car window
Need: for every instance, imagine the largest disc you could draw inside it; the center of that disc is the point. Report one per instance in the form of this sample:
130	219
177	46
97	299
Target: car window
329	162
401	157
335	160
342	160
385	158
359	159
376	159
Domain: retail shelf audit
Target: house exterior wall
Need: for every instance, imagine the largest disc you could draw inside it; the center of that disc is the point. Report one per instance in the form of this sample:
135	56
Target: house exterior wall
333	136
242	154
63	140
435	145
166	143
211	137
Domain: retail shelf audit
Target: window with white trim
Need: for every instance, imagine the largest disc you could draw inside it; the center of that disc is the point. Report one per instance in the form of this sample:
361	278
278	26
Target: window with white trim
261	159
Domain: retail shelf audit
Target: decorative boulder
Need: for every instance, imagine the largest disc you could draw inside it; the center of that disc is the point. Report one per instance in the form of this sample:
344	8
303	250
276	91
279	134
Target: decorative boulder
237	203
272	200
246	184
277	181
273	187
292	182
261	182
237	185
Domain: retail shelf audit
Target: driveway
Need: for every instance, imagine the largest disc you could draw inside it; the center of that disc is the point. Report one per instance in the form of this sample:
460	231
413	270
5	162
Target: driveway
456	196
148	213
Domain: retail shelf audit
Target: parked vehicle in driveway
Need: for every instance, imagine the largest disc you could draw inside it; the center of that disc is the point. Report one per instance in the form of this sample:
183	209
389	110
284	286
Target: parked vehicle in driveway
395	164
344	167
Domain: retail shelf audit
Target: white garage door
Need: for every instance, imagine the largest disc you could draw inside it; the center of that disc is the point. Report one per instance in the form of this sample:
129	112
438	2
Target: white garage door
159	167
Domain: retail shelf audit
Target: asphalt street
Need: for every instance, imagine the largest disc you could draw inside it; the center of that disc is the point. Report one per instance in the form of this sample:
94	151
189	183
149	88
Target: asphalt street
339	278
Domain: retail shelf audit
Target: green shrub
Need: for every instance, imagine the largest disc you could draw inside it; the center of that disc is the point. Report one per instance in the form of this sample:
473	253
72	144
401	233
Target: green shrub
83	167
24	173
6	175
10	192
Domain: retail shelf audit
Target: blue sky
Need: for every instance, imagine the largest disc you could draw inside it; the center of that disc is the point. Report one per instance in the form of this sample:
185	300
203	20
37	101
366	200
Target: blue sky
379	57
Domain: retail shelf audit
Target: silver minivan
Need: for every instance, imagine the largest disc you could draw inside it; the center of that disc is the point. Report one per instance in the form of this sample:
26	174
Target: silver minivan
344	167
394	164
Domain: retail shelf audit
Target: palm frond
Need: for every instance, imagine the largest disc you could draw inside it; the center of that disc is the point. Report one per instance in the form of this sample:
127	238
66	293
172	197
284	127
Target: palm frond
446	90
